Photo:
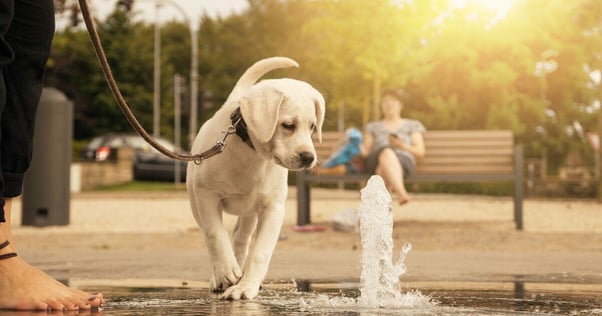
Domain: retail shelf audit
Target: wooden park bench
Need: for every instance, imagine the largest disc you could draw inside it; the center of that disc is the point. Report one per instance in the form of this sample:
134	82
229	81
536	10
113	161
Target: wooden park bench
455	156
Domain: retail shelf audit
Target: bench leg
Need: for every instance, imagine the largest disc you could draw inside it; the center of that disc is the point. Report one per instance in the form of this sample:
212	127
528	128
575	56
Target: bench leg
303	201
518	187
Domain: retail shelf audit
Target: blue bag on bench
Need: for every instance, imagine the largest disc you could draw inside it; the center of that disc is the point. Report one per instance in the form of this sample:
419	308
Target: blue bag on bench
349	154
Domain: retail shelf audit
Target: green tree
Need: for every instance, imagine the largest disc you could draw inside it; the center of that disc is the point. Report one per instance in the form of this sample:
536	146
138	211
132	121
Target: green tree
74	69
463	65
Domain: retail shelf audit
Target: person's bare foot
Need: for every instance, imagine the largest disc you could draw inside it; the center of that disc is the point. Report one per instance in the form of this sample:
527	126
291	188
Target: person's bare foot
399	193
24	287
402	197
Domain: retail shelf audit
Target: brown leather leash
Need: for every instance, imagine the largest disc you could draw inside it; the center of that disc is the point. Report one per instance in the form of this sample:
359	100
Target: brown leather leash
127	112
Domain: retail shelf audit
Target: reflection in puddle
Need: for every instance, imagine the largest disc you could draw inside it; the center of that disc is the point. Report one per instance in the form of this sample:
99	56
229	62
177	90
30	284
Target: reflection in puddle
305	297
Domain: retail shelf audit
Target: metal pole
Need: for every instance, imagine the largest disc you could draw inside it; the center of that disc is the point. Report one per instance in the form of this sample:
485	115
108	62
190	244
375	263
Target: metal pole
544	154
194	86
157	76
194	76
600	143
341	128
177	91
341	117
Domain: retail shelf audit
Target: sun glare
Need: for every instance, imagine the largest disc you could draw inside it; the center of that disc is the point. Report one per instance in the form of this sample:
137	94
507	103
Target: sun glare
500	8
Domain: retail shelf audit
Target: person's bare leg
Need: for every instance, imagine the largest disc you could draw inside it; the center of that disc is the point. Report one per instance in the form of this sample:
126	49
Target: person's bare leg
24	287
391	171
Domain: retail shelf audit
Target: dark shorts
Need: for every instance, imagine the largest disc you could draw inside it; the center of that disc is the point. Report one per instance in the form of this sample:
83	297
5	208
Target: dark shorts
407	163
26	32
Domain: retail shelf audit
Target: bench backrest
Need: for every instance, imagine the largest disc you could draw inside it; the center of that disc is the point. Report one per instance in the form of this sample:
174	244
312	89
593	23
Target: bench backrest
450	151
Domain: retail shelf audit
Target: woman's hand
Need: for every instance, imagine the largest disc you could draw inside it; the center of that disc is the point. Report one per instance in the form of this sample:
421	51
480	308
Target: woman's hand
395	141
417	148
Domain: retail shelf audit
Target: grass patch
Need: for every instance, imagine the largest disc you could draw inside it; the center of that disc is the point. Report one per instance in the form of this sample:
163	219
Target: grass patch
136	186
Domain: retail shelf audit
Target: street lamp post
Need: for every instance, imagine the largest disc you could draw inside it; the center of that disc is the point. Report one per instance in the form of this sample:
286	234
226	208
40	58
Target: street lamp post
194	77
194	85
600	141
157	76
177	84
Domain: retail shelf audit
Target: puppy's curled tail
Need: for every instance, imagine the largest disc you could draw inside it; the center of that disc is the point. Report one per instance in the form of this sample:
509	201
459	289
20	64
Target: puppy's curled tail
257	70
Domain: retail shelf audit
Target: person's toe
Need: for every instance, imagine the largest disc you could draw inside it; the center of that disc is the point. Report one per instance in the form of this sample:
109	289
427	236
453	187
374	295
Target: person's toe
39	306
95	301
68	304
55	305
79	301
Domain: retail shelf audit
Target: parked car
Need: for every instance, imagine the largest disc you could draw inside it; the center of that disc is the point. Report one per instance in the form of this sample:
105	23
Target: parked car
148	163
103	147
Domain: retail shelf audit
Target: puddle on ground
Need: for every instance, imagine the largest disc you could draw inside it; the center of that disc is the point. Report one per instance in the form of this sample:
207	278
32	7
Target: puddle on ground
341	298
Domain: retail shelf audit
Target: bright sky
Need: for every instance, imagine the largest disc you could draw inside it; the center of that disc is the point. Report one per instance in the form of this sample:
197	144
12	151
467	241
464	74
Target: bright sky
501	7
145	9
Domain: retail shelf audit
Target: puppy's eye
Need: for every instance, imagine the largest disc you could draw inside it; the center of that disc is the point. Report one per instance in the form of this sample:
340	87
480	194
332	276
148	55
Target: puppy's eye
288	126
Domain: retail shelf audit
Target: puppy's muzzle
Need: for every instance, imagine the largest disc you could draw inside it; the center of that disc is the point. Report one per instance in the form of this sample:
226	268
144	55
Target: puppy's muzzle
307	158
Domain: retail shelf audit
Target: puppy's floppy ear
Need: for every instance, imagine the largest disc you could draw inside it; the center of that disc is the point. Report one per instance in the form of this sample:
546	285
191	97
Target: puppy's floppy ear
320	106
260	110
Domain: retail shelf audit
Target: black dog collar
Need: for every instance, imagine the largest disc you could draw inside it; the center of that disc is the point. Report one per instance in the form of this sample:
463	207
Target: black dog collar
241	127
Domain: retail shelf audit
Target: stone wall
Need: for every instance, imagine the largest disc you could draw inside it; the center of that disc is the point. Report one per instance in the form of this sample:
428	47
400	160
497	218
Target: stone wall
86	175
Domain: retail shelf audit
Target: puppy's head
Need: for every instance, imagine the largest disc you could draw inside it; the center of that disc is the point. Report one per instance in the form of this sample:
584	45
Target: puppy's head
281	115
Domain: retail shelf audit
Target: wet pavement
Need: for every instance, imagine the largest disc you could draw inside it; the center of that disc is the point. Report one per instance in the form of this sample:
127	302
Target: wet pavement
304	297
148	258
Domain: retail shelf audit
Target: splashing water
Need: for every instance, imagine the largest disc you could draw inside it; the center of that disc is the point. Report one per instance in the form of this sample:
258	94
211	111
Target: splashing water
380	276
380	287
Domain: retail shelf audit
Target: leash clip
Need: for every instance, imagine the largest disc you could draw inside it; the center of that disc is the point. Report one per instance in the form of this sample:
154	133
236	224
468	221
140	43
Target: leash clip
217	148
222	142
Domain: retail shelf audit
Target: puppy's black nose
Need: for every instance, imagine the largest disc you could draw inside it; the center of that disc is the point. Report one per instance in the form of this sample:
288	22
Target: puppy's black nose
306	158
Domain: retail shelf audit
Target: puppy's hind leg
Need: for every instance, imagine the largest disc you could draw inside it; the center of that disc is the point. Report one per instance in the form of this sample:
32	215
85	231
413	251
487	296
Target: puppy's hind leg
226	271
241	238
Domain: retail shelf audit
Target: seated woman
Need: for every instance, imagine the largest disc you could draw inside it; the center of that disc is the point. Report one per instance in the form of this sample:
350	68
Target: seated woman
391	145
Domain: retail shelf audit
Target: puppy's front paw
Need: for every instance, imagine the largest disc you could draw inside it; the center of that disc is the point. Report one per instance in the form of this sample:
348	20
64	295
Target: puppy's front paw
225	275
242	290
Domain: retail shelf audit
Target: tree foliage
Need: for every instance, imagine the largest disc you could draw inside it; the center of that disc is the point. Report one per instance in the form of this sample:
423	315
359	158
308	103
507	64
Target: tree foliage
463	64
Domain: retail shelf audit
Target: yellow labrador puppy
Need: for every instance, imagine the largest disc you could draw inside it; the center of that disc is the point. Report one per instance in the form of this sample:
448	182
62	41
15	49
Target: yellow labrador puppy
249	178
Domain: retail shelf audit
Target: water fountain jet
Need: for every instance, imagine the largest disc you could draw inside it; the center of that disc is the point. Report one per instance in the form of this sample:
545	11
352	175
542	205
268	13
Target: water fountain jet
380	275
379	287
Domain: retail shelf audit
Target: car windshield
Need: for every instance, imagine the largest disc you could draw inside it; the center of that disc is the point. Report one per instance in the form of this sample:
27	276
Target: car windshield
136	142
95	142
139	143
115	142
132	141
